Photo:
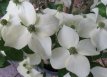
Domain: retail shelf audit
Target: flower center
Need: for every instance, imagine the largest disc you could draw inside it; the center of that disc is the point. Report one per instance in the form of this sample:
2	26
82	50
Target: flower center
32	28
4	22
73	26
84	16
73	50
28	72
101	25
16	1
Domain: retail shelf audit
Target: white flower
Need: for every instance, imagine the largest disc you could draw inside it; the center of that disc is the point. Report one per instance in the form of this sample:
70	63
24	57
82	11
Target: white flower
27	13
95	28
12	8
99	71
72	53
35	35
27	70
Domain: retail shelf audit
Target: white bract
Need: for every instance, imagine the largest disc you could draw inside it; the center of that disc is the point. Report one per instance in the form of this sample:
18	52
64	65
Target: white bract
72	53
27	70
99	71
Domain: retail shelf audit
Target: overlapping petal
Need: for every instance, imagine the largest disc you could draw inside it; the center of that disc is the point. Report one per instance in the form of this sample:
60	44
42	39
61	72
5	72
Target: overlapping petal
47	25
85	27
68	37
34	59
41	45
85	47
98	38
78	65
99	71
27	13
14	36
59	56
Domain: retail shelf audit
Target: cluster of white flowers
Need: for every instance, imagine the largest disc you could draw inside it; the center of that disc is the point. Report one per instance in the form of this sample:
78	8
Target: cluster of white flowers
22	26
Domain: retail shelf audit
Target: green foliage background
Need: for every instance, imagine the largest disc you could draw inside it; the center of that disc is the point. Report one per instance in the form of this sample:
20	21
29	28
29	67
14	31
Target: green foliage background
3	5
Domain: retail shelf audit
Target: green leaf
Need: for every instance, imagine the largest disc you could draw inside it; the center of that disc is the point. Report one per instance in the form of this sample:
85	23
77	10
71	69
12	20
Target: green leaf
27	50
3	61
90	75
62	72
102	9
73	75
3	6
13	54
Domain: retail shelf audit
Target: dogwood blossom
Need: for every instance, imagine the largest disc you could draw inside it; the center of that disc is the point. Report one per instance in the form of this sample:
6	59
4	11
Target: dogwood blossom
37	35
72	53
27	70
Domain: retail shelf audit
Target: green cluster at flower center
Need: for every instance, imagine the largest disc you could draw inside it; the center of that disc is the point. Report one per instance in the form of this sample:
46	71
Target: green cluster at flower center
73	50
16	1
4	22
101	25
32	28
27	66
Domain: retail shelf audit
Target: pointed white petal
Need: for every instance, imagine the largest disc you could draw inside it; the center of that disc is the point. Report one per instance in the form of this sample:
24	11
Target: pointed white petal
99	71
27	13
78	65
48	25
85	47
85	27
14	36
41	45
59	56
34	59
67	75
98	38
12	8
68	37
